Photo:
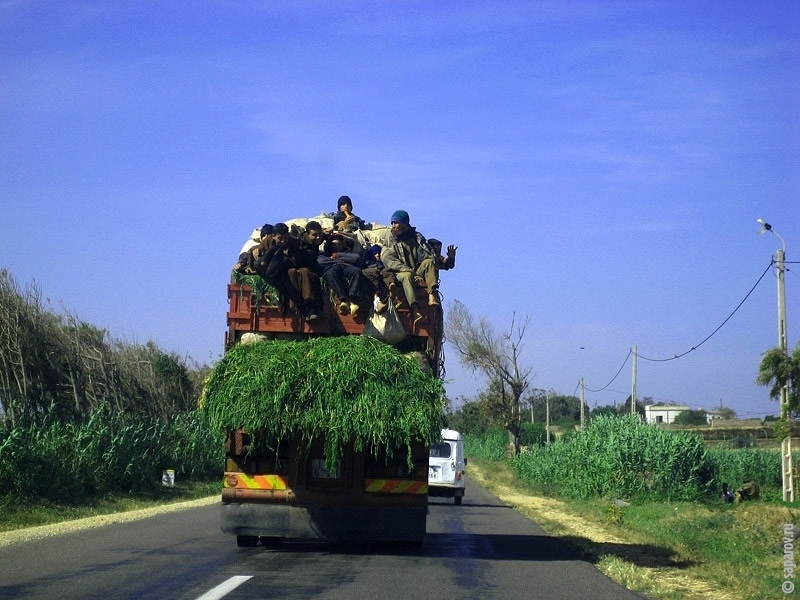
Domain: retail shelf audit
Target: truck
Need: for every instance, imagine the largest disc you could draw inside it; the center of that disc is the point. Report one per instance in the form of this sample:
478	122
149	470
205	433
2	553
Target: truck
447	467
309	483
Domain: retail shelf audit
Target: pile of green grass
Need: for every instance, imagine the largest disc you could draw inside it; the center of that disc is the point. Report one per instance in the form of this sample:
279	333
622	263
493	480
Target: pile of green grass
343	389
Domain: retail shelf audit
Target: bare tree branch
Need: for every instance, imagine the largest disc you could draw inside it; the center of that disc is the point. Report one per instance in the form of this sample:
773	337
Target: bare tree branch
496	356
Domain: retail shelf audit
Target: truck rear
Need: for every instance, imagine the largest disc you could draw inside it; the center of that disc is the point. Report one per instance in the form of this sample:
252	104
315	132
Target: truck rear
328	430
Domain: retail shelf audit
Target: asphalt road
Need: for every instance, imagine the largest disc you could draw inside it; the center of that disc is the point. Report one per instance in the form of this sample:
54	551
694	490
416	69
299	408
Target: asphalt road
481	549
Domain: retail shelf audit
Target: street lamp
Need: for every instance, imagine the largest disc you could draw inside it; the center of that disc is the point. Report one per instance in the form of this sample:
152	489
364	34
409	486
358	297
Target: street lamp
786	444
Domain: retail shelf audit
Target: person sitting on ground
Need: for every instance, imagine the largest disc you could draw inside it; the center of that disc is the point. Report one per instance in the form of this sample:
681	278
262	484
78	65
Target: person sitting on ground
408	255
445	263
293	271
344	220
726	495
747	491
341	269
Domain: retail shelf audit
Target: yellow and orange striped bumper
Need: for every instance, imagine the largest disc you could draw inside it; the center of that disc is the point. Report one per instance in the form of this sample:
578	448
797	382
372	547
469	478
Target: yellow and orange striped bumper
255	482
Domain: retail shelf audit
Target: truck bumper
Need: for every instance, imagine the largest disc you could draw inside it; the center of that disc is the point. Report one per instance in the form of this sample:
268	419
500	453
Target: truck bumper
331	523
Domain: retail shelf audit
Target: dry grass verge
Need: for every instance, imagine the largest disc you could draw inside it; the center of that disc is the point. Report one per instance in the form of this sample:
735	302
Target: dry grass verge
622	555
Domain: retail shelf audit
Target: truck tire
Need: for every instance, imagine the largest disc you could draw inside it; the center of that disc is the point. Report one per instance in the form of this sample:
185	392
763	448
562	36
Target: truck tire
457	500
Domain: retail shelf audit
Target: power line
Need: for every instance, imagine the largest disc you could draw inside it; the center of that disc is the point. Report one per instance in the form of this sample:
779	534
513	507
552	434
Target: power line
677	356
613	378
709	336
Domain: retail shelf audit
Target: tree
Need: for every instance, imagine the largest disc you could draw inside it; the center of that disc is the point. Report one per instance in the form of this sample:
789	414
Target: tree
779	369
604	411
564	410
471	417
691	417
497	356
726	414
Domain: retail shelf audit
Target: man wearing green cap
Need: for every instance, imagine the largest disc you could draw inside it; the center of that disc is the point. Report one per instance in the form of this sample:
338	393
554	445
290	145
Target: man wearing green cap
408	255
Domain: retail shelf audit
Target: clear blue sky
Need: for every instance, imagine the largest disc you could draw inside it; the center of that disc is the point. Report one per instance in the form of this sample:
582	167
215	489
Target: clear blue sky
600	166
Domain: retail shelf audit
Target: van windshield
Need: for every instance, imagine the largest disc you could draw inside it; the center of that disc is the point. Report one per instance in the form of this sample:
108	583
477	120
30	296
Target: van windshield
441	450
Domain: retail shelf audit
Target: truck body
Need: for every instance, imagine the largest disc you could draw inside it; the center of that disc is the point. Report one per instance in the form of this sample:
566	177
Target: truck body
447	467
286	492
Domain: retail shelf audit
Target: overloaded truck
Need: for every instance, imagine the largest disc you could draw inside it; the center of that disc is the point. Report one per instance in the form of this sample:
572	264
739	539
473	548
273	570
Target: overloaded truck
328	428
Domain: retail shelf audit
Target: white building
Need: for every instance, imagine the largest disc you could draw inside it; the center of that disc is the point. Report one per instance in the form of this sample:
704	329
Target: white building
663	413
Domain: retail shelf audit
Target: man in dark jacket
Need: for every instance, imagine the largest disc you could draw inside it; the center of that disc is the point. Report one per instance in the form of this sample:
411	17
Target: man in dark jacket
290	266
341	270
344	219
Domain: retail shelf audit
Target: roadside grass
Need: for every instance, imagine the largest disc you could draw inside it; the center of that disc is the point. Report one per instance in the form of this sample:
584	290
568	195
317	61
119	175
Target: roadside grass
19	514
665	550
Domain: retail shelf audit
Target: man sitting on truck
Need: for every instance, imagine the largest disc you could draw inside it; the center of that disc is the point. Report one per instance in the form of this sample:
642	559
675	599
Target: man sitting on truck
344	219
252	250
341	270
408	255
444	262
290	266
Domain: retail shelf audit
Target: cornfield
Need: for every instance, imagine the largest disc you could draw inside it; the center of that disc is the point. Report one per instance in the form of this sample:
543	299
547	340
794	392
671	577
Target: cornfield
621	457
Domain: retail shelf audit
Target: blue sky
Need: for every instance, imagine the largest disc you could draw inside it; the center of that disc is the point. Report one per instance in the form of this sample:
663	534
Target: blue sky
600	165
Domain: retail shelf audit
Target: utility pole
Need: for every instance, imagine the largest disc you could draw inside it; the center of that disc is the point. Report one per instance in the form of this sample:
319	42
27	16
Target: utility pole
582	394
547	426
786	443
633	382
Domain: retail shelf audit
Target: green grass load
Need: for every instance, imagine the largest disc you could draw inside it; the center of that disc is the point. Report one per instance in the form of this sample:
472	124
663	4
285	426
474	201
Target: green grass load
342	389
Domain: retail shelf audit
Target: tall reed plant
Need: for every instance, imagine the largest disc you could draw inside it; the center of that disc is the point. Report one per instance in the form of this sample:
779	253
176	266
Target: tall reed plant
108	451
620	457
490	446
737	465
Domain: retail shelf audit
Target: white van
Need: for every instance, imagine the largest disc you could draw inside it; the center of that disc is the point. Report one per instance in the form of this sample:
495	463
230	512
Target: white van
446	467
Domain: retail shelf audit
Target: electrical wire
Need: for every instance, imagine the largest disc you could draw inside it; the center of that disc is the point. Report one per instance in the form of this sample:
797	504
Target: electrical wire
615	376
677	356
709	336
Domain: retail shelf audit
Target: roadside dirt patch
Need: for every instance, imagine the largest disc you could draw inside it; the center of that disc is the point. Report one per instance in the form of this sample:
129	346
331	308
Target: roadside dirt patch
629	561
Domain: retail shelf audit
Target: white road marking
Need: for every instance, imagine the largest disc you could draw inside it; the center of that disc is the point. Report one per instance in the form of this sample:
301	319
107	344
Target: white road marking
225	588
